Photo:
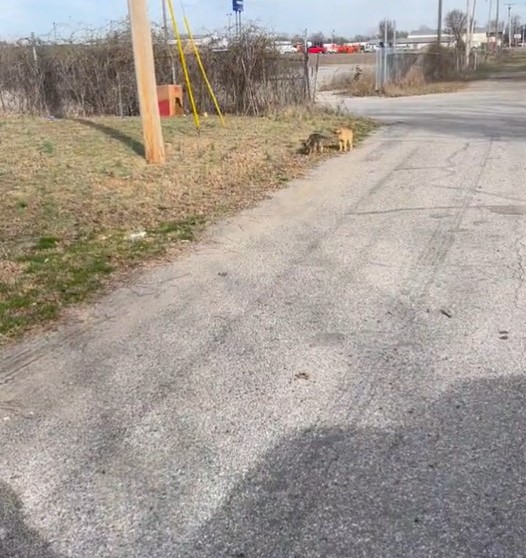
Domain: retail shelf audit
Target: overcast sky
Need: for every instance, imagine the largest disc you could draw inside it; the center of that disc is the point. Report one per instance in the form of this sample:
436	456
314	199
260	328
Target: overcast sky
347	17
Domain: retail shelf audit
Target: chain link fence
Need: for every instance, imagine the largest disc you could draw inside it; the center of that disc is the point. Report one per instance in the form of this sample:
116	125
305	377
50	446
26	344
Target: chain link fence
393	66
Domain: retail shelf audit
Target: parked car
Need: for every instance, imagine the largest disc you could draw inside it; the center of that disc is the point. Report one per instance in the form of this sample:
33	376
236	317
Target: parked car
331	47
286	48
348	49
317	48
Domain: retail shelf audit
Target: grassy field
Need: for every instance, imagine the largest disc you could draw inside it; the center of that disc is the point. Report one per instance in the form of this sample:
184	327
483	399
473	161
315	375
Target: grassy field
78	202
430	88
511	63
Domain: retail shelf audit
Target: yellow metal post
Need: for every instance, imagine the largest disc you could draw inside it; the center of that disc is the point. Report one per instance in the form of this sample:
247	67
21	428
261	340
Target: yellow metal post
183	64
202	68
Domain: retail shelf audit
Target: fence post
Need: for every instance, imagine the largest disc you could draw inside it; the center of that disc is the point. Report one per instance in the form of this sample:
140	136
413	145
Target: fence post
119	92
394	59
39	101
377	72
306	66
316	71
385	54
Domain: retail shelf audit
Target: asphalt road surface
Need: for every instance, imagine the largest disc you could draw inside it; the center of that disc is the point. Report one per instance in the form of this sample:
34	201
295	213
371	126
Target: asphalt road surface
339	372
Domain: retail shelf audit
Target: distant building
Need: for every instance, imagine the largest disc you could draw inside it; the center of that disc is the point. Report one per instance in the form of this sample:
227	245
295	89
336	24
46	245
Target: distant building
424	37
497	37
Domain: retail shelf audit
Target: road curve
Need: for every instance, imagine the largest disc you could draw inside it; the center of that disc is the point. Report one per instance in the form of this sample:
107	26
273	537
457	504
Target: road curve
338	372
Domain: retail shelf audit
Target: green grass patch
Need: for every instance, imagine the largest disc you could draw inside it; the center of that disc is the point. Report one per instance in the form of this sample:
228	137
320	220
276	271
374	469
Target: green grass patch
46	242
510	63
183	230
47	148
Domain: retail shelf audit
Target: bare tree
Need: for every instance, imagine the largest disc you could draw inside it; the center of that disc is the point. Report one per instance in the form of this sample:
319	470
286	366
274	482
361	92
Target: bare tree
455	23
318	37
360	38
340	40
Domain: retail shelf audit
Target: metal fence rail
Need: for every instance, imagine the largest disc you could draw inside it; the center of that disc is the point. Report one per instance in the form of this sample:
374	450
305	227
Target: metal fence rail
392	65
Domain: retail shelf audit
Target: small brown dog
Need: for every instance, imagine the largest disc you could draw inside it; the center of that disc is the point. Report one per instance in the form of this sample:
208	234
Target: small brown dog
345	138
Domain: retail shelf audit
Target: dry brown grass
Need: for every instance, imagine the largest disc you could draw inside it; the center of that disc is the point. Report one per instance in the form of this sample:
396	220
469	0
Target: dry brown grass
72	192
508	63
407	90
414	83
346	83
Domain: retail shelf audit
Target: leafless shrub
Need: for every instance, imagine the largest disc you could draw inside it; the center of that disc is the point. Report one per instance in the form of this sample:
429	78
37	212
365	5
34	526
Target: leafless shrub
441	64
94	75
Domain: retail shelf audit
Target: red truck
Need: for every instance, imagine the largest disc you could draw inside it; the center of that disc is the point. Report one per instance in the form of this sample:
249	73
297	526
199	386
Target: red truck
348	49
317	48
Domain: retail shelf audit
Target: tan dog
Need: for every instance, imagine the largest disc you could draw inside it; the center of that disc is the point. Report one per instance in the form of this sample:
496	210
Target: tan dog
345	138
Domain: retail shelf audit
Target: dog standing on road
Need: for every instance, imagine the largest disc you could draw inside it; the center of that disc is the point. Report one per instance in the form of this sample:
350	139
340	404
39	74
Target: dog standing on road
345	138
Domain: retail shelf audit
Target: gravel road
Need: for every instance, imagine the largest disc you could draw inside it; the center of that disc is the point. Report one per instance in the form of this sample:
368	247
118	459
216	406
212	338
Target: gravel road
338	372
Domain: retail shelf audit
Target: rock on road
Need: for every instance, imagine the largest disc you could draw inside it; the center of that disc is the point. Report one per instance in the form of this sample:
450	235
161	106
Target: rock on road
338	372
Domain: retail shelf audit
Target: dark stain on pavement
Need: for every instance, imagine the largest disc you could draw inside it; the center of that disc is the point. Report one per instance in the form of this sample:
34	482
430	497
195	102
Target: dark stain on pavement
508	209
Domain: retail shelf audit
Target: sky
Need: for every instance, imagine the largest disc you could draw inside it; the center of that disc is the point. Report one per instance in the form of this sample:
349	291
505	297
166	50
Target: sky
19	18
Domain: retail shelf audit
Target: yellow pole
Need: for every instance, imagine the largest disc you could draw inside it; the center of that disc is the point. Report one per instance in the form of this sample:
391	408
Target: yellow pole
201	67
183	63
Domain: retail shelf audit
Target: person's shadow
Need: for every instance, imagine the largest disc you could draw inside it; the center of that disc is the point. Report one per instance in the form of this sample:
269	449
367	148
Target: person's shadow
450	482
17	539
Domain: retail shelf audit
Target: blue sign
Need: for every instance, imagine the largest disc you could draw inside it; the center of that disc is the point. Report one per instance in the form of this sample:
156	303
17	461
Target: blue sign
237	5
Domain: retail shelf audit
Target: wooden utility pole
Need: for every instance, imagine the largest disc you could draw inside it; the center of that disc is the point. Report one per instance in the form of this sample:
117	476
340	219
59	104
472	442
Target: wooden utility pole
488	27
146	85
509	25
306	64
497	28
439	22
468	37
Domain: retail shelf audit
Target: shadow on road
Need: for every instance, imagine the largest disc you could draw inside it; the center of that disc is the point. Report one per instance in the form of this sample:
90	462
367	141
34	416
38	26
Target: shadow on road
450	482
17	539
477	125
